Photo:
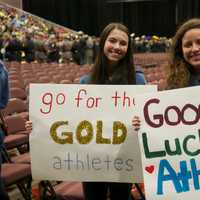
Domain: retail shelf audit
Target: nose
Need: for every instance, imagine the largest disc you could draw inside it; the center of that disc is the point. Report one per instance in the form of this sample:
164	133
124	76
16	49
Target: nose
195	47
117	45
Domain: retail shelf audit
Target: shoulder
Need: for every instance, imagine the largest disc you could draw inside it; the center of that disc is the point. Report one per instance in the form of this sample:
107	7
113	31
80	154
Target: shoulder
85	79
1	66
140	79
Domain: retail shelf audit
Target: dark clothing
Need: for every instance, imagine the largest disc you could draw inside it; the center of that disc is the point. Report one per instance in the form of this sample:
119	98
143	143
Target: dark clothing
3	193
13	50
140	80
99	190
53	56
53	53
29	50
194	80
78	51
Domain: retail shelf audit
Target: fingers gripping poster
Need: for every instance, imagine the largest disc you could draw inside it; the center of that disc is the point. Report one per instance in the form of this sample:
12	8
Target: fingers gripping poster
84	132
170	144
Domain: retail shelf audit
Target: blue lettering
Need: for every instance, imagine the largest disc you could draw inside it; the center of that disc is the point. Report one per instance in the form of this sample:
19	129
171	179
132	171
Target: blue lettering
171	176
181	179
184	175
195	174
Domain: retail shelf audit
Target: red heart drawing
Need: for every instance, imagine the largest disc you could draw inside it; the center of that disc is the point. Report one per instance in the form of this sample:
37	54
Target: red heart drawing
150	169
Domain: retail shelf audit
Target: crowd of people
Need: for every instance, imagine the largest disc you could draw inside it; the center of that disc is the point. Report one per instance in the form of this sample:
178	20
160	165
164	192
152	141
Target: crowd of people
25	37
154	44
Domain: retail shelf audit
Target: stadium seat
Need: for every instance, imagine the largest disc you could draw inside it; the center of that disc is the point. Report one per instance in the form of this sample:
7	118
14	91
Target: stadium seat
62	191
16	106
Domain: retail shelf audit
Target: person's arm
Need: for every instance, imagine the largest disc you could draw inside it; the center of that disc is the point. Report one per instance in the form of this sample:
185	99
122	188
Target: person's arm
84	79
4	88
140	78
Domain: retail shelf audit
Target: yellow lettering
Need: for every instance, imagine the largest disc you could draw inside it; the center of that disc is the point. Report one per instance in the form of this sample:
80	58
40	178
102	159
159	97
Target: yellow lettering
118	139
54	134
89	130
99	137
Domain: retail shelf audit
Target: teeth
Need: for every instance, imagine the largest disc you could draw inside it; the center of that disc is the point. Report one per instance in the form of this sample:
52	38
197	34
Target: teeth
116	52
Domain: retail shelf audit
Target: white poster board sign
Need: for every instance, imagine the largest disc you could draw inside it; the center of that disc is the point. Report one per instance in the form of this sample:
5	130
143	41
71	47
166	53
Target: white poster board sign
84	132
170	144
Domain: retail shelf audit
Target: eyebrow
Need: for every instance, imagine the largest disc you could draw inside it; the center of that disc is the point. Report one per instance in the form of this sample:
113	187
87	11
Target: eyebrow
113	37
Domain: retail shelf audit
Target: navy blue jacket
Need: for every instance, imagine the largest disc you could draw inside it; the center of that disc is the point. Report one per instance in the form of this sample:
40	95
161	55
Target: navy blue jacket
140	80
4	95
4	86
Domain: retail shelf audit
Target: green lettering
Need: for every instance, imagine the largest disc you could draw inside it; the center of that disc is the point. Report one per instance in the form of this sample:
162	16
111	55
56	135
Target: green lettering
149	154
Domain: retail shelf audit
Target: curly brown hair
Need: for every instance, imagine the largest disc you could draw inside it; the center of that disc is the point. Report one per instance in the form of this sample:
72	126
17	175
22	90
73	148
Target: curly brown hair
179	69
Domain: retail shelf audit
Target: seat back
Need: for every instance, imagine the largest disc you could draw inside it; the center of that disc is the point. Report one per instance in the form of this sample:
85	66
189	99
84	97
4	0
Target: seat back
18	93
15	124
15	105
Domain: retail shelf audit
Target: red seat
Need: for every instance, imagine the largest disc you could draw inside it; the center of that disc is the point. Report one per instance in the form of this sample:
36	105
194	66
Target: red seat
16	83
20	175
18	93
137	191
17	135
15	125
69	191
63	191
12	172
14	141
16	106
65	81
22	158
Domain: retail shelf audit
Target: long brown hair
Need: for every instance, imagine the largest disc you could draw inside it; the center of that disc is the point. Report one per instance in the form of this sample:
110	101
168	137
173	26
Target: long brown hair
179	69
125	66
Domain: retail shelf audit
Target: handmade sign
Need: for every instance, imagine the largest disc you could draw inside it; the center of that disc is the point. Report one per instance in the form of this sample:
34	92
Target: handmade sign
170	143
84	132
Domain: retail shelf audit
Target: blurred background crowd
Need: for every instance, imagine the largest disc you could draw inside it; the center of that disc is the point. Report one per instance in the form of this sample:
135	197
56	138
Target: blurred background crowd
25	37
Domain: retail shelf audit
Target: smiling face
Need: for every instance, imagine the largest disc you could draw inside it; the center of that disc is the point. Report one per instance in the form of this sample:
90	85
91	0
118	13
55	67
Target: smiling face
191	48
116	46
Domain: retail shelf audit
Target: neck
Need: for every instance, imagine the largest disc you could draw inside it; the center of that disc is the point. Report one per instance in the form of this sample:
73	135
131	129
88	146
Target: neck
111	67
196	70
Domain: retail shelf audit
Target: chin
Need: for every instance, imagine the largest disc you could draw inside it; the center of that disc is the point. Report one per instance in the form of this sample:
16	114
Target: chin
114	59
196	66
